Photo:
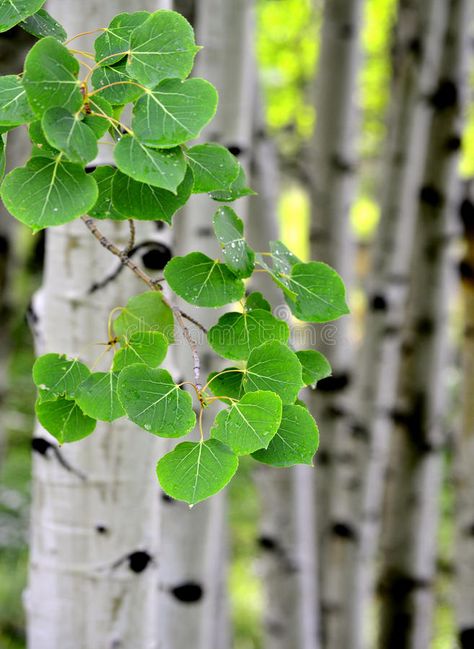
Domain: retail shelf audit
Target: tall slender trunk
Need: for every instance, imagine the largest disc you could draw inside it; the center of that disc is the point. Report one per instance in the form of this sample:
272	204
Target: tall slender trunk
464	548
333	165
416	63
194	560
417	449
92	579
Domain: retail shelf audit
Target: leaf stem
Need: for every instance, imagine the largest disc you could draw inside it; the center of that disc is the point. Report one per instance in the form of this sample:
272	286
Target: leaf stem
93	31
87	55
234	369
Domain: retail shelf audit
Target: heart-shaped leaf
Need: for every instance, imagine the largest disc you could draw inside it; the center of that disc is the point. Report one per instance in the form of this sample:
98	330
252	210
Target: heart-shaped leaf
13	12
315	366
114	44
58	375
41	24
97	396
227	383
145	312
274	367
237	254
64	420
115	85
213	167
67	132
320	292
147	347
14	106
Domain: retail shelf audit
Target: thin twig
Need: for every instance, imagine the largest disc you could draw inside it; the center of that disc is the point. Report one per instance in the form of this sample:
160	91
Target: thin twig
131	240
193	346
195	322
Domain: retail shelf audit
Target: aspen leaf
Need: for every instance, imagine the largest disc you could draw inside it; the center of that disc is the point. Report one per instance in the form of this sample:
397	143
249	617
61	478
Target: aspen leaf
250	423
114	43
227	383
174	112
295	442
315	366
213	167
48	192
42	24
196	470
257	301
64	420
283	259
14	106
145	312
13	12
202	281
97	396
50	77
113	84
147	347
273	366
319	292
163	47
67	132
153	401
104	207
97	120
238	189
237	254
236	334
58	375
164	168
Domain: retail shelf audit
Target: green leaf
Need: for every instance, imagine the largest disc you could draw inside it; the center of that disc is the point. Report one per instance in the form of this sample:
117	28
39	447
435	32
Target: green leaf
238	189
116	38
236	334
104	207
123	90
36	133
153	401
50	77
276	277
196	470
97	396
145	312
145	202
237	254
283	259
273	366
257	301
202	281
42	24
147	347
58	375
295	442
174	112
213	167
14	106
320	292
165	168
315	366
227	383
48	192
14	11
97	118
64	420
163	47
250	423
66	132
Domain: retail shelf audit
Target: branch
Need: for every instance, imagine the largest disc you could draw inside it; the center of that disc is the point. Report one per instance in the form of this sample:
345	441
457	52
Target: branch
192	344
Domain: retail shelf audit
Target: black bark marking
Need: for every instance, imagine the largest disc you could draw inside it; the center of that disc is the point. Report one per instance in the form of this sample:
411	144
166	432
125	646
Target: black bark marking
378	303
336	411
267	543
40	445
167	499
466	271
344	531
425	326
466	212
101	529
359	431
156	257
4	245
466	638
445	96
189	592
235	149
453	143
139	561
323	458
204	232
342	165
431	196
159	225
334	383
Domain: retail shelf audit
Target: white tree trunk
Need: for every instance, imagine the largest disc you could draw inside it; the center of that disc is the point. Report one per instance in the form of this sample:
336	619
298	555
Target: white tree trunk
415	75
193	581
333	165
92	580
464	548
416	467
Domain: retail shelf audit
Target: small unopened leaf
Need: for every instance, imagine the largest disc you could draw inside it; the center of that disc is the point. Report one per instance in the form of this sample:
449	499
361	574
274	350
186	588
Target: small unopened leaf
227	383
164	168
273	366
58	375
14	106
295	442
163	47
144	202
64	420
97	396
147	347
42	24
145	312
50	77
67	132
236	334
315	366
320	292
213	167
48	192
237	254
114	43
196	470
250	423
14	11
202	281
238	189
153	401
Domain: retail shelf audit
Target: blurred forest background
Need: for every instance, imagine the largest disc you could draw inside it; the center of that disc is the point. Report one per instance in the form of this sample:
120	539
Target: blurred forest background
355	122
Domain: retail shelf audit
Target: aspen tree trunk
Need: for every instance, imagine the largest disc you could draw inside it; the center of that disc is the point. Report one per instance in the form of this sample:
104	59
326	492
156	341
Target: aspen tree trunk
419	35
333	163
195	551
92	580
417	461
287	529
464	547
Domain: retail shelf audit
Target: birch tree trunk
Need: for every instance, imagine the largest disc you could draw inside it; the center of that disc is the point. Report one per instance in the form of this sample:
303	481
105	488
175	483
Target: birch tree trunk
195	545
464	547
416	64
333	165
287	529
416	469
92	580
